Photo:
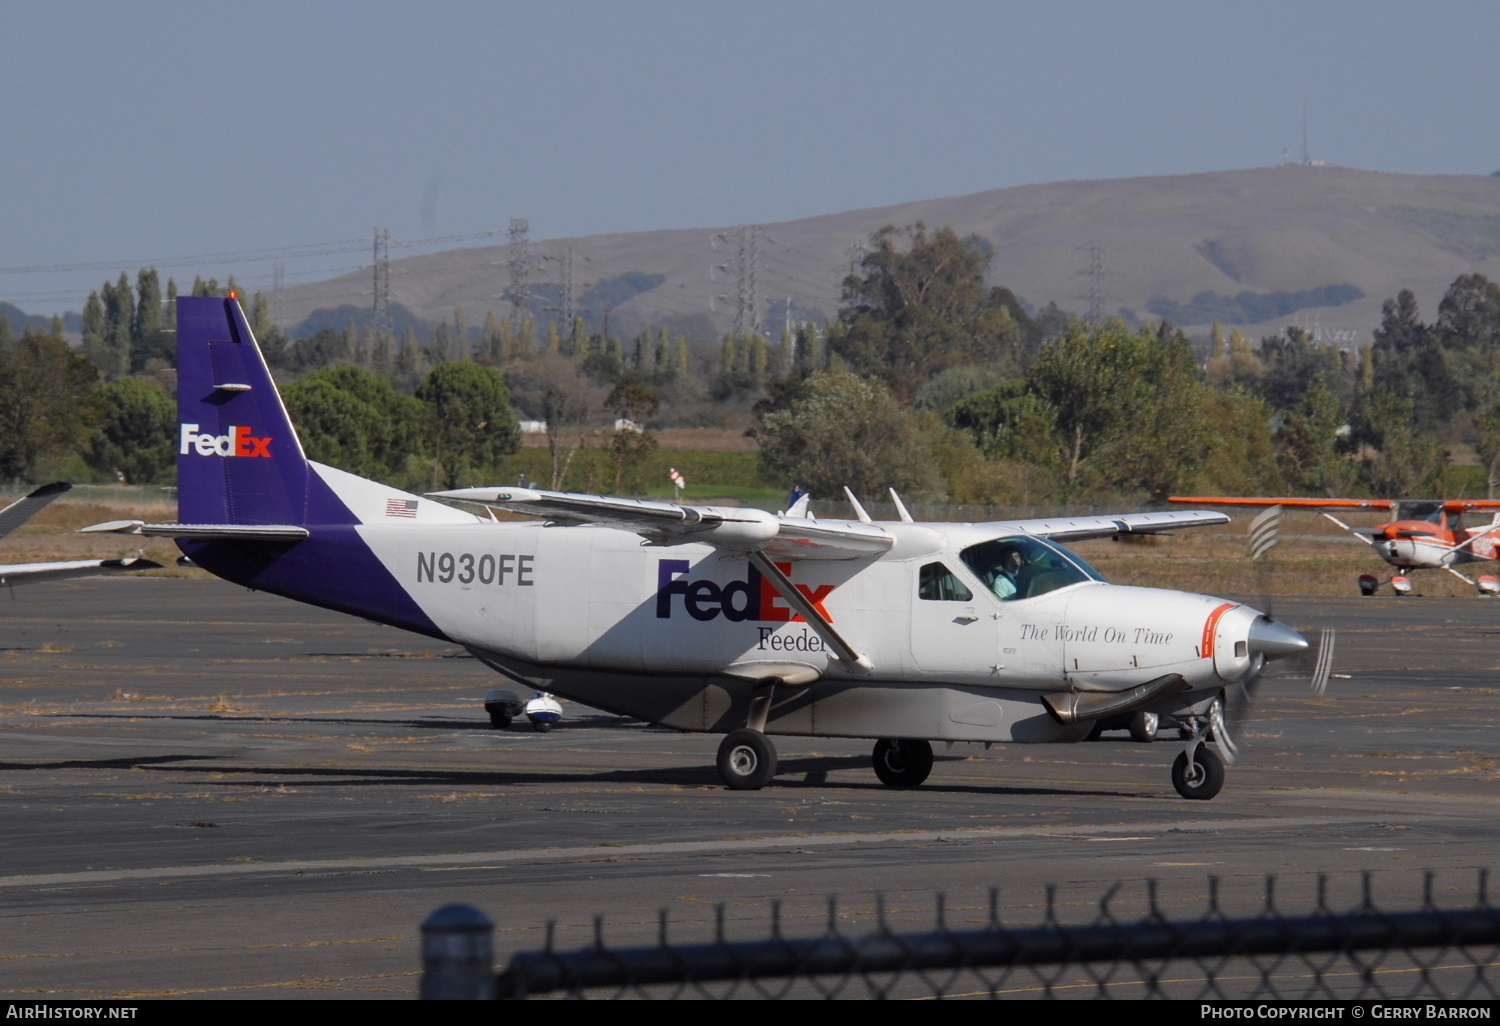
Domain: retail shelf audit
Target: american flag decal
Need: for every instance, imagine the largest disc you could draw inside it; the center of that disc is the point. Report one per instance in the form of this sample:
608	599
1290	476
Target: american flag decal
401	507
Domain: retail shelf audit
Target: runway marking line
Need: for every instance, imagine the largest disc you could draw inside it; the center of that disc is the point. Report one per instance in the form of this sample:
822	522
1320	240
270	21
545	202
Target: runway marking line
593	853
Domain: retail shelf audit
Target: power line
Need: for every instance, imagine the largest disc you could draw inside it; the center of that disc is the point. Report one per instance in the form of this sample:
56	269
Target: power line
309	249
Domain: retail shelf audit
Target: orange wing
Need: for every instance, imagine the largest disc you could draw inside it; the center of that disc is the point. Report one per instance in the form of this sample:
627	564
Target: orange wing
1449	505
1226	500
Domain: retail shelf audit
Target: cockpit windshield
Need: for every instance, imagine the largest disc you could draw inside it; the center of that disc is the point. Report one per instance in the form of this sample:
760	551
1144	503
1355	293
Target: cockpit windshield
1022	568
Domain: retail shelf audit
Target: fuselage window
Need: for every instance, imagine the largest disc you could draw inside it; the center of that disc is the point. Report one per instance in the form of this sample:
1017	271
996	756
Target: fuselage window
1022	568
937	584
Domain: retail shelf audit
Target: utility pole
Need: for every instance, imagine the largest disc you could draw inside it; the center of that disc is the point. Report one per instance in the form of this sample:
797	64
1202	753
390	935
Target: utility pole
569	289
382	263
278	282
1095	273
520	272
746	267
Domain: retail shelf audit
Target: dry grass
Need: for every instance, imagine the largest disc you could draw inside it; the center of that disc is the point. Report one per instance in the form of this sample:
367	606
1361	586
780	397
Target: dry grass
1313	558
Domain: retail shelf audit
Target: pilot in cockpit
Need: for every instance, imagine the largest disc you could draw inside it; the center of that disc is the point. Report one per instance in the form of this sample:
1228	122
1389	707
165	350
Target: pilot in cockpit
1003	576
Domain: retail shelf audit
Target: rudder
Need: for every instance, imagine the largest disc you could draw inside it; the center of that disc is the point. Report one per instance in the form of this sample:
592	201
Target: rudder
238	458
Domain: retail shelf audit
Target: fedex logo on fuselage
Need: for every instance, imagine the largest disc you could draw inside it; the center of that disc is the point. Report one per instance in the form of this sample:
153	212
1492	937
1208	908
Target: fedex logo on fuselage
751	599
239	442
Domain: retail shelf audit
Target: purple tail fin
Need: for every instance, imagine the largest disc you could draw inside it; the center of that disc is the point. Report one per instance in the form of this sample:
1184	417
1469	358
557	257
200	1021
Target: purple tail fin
238	458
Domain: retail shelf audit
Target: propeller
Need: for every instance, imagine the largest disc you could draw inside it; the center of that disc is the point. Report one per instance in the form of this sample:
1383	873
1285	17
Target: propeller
1271	640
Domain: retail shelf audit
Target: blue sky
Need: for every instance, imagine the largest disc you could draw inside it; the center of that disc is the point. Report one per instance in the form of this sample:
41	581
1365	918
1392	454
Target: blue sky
149	131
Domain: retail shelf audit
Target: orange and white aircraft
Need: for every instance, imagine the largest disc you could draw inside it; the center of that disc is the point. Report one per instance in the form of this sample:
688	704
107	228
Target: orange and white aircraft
1426	534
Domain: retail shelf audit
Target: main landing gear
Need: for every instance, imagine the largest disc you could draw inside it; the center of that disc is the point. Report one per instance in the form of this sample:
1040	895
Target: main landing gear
902	763
747	759
1369	584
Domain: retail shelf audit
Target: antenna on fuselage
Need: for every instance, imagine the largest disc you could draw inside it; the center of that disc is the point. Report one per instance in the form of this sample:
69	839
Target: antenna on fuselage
900	508
859	511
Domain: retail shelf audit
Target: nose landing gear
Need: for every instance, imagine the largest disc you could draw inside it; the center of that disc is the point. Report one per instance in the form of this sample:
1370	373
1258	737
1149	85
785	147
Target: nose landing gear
1198	772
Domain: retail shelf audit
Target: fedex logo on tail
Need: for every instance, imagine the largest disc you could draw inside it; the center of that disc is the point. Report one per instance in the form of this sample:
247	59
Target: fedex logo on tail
240	441
738	601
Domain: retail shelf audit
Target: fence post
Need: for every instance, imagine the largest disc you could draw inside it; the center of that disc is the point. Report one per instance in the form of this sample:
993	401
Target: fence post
458	960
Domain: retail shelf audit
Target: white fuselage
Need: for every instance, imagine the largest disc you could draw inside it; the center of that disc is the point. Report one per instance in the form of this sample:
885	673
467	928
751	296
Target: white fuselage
593	598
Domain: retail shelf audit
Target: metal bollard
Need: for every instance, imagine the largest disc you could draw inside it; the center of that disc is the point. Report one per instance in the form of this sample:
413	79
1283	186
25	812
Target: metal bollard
458	958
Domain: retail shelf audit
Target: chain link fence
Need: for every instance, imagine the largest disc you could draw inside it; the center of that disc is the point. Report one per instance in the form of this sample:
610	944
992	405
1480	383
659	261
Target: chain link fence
1132	943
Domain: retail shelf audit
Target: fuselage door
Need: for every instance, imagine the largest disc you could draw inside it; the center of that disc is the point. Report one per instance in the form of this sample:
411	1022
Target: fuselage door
952	629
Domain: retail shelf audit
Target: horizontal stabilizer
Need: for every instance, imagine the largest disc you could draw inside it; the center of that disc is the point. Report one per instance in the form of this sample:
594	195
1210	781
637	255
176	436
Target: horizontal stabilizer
227	532
28	572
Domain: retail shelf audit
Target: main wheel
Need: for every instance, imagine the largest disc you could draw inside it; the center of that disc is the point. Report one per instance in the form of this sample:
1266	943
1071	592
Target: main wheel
1143	726
747	760
499	720
1203	779
541	726
902	763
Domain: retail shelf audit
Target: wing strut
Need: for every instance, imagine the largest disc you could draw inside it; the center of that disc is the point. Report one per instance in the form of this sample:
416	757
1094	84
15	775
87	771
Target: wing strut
854	661
1368	541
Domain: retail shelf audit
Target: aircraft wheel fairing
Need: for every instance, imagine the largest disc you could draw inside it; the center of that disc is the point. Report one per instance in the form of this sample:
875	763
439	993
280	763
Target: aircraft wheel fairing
747	760
1143	726
902	763
1202	778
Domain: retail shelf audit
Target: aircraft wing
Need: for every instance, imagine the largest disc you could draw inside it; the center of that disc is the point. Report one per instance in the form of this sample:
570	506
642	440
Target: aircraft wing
23	509
17	573
1079	528
668	523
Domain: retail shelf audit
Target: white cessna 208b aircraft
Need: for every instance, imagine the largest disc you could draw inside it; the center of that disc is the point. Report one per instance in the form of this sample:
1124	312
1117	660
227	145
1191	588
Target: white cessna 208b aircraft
703	618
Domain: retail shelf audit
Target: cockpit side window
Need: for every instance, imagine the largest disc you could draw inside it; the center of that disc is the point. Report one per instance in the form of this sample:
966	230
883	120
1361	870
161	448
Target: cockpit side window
1023	568
937	583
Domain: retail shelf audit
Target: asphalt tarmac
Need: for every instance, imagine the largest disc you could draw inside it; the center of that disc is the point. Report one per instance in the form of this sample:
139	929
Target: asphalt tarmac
206	792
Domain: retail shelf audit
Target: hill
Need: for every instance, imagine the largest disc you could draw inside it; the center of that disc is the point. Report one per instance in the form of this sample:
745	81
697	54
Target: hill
1319	246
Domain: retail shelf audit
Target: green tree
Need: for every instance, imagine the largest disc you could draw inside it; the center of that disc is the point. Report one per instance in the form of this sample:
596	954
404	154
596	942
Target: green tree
47	407
1128	407
136	436
349	418
471	425
1408	460
1241	458
917	310
1313	444
1468	330
119	320
1291	362
841	430
151	338
630	443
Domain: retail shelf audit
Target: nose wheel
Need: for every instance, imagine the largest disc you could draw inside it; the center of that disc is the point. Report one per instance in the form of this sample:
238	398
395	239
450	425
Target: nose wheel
1198	772
1199	775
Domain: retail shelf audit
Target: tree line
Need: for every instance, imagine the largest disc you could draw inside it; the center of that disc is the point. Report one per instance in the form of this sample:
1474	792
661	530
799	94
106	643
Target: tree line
928	379
946	388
